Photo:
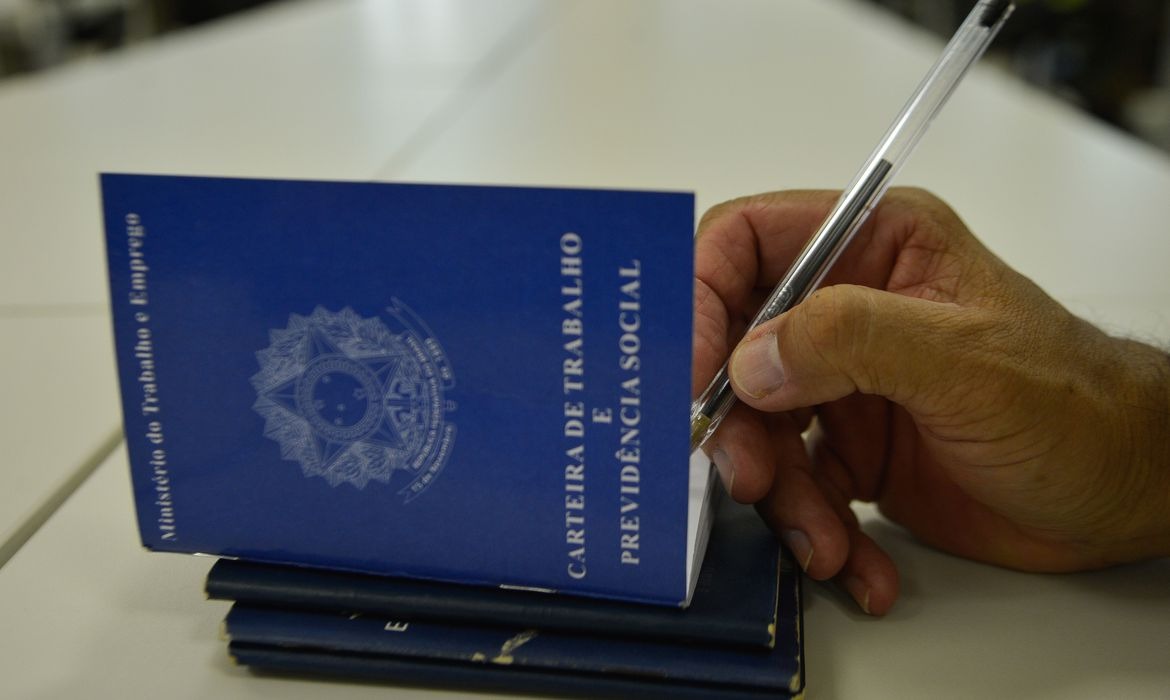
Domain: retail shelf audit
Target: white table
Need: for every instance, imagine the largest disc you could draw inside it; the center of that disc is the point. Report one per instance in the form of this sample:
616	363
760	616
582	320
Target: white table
723	98
89	614
319	89
58	413
304	89
753	96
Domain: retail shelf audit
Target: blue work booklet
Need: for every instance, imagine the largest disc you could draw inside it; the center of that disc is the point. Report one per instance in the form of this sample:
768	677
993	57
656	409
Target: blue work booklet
483	385
740	638
504	659
734	604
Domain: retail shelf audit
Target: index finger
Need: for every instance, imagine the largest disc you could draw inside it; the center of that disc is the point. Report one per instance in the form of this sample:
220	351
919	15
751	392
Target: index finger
743	247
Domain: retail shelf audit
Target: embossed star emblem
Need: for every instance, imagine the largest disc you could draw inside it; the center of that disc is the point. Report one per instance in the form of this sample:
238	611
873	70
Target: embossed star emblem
343	399
353	402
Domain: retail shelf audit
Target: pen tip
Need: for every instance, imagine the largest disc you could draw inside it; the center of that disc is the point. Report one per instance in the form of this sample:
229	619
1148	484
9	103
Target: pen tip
699	427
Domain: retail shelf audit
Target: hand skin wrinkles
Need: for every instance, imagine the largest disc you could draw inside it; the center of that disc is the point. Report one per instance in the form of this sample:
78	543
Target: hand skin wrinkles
1008	478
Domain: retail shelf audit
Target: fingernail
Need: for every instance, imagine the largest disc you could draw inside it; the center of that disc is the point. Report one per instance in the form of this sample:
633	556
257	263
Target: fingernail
726	468
860	592
756	368
800	545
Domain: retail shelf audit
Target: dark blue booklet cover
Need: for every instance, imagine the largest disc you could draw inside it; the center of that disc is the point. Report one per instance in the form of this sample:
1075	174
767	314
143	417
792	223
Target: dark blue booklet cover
264	659
473	384
735	601
527	660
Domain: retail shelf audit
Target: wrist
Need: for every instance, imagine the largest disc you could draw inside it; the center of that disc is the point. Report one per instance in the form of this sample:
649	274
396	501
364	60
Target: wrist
1143	419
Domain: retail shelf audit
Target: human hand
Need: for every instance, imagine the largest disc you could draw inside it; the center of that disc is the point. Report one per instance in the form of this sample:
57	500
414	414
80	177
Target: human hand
971	407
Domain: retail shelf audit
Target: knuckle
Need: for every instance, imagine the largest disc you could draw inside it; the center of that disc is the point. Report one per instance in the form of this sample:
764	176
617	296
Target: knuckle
711	321
934	212
838	325
721	211
917	198
845	331
927	209
754	203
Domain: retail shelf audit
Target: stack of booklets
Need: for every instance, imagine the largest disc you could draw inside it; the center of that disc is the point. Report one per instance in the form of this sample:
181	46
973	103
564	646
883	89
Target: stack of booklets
740	637
448	428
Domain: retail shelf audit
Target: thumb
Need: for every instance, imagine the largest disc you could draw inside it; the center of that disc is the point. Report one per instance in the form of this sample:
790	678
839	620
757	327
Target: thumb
845	339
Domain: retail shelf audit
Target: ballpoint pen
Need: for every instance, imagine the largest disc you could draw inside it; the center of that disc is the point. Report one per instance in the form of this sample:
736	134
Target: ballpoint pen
862	194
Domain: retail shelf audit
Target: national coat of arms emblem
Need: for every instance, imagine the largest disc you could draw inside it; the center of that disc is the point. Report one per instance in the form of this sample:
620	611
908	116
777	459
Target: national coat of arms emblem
354	401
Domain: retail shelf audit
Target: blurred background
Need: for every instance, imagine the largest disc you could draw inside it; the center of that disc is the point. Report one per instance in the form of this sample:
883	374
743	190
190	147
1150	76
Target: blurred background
1108	57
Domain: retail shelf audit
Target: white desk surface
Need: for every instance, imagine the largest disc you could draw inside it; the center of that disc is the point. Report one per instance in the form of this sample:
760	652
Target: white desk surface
304	89
58	409
729	99
89	614
722	98
307	89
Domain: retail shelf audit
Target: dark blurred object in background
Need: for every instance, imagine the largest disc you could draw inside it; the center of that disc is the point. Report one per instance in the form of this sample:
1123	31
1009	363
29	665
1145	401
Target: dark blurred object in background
1111	57
176	14
39	34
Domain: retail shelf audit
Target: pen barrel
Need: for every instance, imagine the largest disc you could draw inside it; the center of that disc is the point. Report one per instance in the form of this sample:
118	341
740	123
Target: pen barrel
708	410
969	42
823	249
862	194
805	274
871	181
